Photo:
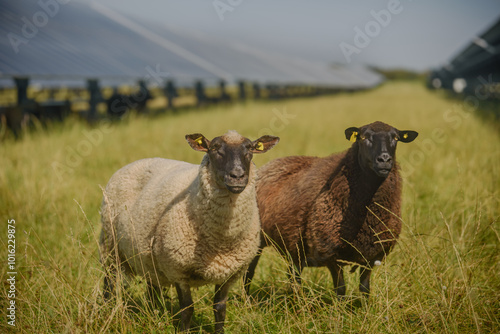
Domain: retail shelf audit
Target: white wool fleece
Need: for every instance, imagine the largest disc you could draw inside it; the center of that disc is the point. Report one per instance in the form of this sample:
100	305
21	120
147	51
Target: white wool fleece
174	224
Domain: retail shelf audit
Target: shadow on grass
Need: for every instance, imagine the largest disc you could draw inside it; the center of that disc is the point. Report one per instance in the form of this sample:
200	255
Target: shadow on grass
163	310
294	295
487	110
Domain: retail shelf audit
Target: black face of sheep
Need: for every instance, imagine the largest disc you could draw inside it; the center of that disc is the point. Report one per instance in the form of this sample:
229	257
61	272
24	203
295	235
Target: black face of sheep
231	156
377	145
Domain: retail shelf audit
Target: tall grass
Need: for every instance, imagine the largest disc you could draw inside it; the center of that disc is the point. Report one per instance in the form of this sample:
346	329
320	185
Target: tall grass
441	278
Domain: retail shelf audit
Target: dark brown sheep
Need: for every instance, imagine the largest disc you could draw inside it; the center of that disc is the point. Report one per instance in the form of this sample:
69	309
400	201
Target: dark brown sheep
338	210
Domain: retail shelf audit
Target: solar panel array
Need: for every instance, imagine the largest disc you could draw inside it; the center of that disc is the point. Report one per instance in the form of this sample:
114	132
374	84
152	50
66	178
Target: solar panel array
69	42
474	68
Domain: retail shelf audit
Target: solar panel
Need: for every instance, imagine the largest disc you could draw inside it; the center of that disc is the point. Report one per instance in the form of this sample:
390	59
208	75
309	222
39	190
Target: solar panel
79	40
474	70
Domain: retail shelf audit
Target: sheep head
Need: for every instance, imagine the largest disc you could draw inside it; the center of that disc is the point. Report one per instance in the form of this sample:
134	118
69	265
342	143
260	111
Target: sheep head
230	156
377	145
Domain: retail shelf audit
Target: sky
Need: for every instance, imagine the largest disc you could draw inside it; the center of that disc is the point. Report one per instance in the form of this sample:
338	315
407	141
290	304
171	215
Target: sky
412	34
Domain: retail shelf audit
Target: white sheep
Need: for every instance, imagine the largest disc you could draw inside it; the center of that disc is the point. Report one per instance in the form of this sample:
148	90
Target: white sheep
189	225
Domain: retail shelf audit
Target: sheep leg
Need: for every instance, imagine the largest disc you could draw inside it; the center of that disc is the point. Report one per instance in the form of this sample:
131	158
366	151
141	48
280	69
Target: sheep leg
294	274
364	281
108	286
186	305
338	278
110	277
155	294
106	255
251	271
220	299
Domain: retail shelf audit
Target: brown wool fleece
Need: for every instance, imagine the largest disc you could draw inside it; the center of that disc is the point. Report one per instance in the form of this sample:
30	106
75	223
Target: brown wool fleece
320	210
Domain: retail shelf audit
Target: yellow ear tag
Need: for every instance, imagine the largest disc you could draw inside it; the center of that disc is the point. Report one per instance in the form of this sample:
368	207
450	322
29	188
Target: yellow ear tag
405	136
259	146
199	140
353	136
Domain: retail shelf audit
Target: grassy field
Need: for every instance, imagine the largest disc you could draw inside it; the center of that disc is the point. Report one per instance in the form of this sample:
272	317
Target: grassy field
443	277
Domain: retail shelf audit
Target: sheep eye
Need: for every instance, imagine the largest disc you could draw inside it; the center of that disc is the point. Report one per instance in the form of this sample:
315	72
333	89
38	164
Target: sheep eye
217	149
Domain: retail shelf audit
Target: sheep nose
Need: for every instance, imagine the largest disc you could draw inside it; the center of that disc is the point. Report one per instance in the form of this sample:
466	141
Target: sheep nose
237	174
384	158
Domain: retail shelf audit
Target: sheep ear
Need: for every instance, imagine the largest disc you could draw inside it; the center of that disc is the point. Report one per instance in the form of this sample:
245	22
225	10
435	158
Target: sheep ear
264	144
352	134
198	142
407	136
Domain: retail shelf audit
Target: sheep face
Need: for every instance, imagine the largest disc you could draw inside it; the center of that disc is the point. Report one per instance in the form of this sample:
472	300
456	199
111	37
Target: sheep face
230	156
377	145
